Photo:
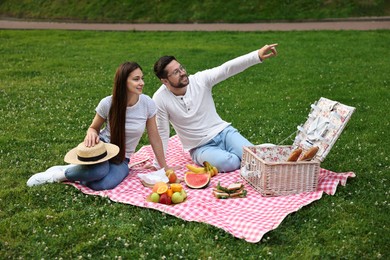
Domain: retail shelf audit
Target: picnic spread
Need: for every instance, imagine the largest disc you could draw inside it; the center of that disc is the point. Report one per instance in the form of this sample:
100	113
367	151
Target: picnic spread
273	180
247	218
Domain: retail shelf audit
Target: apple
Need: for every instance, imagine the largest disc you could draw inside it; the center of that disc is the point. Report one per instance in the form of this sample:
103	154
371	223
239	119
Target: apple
165	199
177	197
155	197
183	194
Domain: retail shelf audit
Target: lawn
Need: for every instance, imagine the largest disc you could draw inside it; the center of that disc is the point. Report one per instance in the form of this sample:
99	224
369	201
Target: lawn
51	82
174	11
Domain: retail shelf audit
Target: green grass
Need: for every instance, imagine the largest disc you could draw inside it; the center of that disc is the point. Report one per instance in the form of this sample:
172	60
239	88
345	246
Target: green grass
174	11
51	82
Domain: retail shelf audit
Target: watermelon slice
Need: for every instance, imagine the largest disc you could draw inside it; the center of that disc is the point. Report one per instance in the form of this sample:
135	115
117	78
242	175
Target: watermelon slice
197	180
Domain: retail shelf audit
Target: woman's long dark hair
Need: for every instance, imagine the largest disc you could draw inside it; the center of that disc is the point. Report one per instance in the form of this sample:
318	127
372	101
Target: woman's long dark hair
117	114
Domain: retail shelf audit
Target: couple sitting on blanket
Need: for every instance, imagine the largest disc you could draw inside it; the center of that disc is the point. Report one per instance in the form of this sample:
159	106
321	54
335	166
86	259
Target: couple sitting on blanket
101	161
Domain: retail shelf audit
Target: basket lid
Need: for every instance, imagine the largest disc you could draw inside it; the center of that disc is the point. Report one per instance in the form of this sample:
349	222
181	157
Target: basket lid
326	120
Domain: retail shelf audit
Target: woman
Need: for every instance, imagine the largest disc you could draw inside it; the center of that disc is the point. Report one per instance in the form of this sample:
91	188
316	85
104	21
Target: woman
126	113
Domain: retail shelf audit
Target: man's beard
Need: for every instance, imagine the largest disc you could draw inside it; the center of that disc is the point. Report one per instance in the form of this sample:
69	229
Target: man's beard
179	84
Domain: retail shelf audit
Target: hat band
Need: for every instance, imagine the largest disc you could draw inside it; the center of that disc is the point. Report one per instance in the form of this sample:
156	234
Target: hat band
91	159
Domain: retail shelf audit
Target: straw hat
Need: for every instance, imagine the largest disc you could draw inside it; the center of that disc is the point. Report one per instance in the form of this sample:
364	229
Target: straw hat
91	155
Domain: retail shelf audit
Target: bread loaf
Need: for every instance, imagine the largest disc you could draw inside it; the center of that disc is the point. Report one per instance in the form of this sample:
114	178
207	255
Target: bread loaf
294	155
309	154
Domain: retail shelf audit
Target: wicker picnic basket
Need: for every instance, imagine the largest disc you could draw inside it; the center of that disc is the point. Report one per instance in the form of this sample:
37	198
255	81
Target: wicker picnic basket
265	167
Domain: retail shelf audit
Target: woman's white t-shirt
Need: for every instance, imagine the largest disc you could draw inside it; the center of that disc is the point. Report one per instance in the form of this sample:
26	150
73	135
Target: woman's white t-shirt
136	117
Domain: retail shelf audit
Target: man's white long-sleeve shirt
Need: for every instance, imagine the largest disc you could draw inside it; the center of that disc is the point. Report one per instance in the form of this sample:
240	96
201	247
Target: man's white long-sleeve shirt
194	116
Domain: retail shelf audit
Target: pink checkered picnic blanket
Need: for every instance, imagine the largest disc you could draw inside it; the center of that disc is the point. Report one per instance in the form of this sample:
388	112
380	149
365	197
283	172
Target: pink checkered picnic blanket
245	218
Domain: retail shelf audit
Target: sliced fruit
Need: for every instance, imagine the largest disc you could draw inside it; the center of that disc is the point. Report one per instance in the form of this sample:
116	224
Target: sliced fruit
162	189
157	185
197	180
176	187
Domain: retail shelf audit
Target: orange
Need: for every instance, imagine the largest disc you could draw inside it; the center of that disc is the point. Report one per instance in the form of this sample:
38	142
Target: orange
162	189
157	185
176	187
169	192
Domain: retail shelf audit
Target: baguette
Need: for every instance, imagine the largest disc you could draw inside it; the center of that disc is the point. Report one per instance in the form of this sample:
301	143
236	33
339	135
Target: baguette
294	155
309	154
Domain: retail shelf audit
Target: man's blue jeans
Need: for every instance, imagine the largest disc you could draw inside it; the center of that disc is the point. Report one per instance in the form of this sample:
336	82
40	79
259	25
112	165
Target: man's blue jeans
101	176
224	151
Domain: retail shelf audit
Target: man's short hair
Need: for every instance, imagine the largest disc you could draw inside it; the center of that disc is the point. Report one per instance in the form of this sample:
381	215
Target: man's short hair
159	66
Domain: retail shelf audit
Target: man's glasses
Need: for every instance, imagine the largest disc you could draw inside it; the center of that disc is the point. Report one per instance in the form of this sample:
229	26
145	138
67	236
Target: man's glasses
176	72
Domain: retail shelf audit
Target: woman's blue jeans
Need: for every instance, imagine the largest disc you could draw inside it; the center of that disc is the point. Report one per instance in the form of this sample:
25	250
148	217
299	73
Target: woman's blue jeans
224	151
101	176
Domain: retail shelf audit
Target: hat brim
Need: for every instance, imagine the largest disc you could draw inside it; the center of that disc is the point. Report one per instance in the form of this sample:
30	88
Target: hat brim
71	156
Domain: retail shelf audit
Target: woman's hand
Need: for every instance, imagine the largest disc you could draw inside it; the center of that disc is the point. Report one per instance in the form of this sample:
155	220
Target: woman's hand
91	138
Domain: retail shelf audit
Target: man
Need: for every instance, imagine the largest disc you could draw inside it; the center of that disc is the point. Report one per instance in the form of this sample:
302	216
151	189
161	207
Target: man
187	103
